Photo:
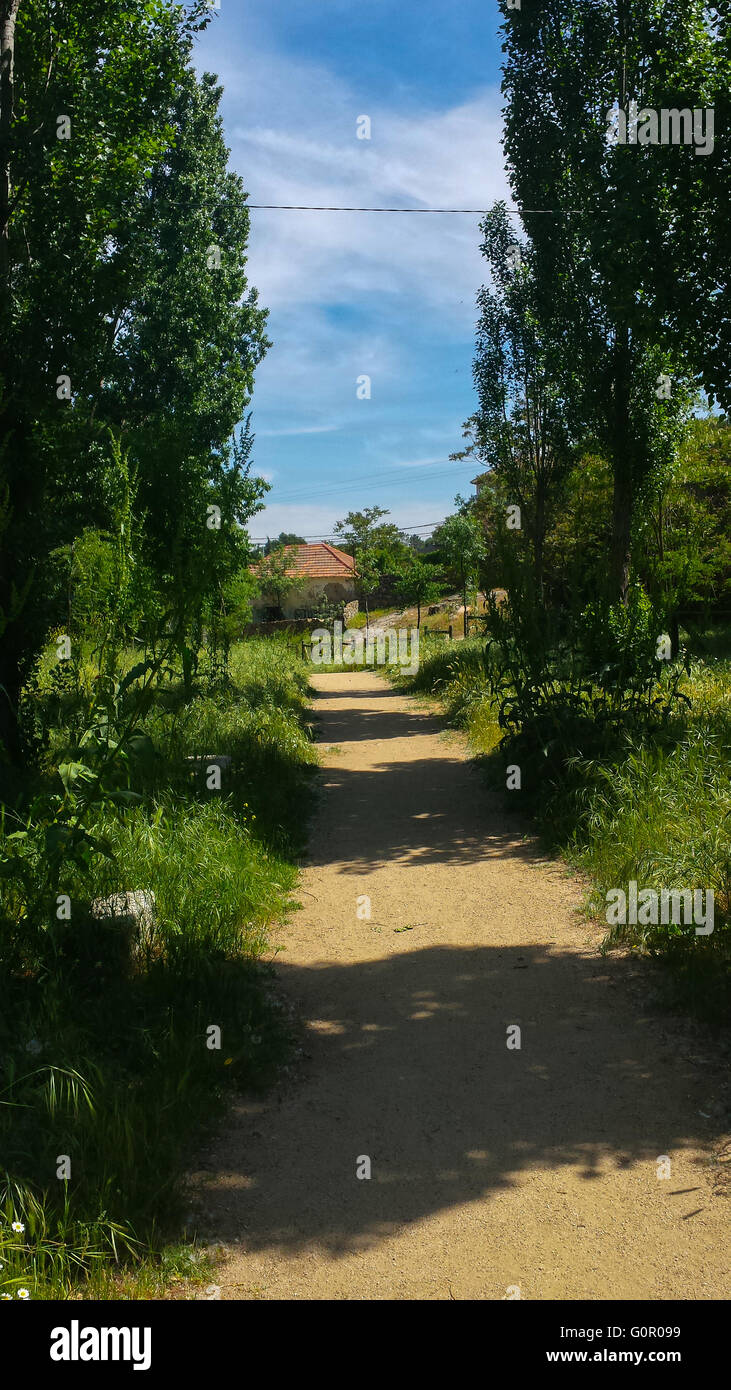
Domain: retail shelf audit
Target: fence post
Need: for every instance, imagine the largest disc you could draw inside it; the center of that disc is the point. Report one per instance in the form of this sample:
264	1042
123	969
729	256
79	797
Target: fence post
450	632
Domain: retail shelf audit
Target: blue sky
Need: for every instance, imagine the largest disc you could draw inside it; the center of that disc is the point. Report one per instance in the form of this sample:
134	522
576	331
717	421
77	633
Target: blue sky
350	294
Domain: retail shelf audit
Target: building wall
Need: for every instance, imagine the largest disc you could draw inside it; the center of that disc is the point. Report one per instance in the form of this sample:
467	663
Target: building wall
337	590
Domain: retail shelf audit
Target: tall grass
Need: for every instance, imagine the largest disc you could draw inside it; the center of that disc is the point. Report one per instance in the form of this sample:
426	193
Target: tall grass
111	1067
654	808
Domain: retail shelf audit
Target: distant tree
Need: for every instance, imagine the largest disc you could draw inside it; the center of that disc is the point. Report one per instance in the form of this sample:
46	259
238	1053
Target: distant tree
683	542
462	546
232	608
417	584
365	531
368	577
284	538
275	577
421	545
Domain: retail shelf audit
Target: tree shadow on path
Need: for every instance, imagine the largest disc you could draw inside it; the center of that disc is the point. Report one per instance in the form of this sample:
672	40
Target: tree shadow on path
404	806
408	1064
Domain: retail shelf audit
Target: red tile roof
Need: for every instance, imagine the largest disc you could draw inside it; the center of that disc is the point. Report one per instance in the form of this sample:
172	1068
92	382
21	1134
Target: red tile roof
320	561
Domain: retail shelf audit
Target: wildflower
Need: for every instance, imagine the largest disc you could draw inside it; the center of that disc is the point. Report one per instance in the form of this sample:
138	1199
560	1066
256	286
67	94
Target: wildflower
6	1296
18	1227
23	1293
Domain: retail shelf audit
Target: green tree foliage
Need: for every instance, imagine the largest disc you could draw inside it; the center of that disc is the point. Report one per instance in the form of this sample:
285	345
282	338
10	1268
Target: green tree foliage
608	243
461	544
124	305
275	577
376	547
284	538
368	576
417	584
522	424
99	568
684	537
420	544
579	536
681	541
364	530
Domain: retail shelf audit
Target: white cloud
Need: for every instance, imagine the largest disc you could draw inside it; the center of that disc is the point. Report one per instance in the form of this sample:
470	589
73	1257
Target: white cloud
292	128
390	295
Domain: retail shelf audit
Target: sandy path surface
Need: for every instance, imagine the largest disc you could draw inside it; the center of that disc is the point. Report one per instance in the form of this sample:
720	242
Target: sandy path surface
490	1168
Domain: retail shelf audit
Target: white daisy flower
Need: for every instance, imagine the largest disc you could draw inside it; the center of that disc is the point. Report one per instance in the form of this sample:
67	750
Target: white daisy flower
18	1227
23	1293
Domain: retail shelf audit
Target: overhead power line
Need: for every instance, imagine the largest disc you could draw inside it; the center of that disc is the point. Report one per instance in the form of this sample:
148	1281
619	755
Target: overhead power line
328	535
369	480
471	212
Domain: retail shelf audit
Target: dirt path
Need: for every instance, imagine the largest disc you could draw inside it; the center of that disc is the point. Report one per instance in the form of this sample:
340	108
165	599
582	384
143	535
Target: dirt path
491	1167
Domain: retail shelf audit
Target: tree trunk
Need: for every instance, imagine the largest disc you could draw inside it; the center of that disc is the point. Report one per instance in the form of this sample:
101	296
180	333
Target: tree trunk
674	636
11	684
8	16
539	538
622	505
622	451
10	647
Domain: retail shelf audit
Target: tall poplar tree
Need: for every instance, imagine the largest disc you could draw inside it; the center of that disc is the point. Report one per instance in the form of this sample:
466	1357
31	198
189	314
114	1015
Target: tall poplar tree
124	302
523	422
603	217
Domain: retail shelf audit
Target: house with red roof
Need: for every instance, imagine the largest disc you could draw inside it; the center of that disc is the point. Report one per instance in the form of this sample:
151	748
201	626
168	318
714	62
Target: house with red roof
324	572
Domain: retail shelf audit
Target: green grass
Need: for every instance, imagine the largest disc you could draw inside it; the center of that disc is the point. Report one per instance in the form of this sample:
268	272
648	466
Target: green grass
428	645
105	1027
656	810
359	619
430	622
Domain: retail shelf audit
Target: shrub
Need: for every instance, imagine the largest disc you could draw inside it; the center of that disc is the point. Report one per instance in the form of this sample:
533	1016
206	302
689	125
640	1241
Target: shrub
105	1022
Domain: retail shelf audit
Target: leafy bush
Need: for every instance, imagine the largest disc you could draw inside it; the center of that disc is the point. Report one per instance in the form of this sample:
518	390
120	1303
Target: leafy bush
569	686
628	782
105	1021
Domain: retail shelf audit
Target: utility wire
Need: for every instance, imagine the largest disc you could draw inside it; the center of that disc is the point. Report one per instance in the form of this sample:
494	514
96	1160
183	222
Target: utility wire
288	500
381	480
327	535
471	212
